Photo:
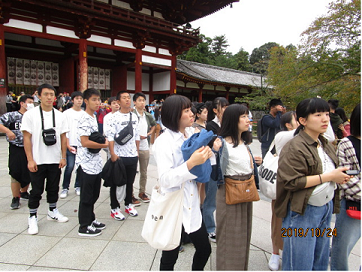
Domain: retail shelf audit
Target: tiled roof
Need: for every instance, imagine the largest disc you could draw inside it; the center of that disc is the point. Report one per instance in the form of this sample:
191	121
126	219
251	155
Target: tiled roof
217	74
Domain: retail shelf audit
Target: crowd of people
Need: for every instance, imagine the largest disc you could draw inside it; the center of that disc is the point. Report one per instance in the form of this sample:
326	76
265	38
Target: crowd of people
316	144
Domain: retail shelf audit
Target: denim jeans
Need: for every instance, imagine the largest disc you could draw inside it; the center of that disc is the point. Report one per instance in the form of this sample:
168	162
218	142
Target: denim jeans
209	205
311	251
348	234
68	171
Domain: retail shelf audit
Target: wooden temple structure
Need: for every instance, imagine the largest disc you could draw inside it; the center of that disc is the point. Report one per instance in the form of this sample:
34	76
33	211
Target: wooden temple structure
110	45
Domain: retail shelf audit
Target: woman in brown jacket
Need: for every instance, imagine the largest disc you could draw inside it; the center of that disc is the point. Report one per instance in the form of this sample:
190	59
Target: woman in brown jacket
306	189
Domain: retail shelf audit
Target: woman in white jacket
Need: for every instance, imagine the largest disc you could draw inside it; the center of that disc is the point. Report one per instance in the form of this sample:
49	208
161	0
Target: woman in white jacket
173	171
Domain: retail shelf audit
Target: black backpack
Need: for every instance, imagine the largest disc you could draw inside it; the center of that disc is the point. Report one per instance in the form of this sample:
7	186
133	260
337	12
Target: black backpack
259	128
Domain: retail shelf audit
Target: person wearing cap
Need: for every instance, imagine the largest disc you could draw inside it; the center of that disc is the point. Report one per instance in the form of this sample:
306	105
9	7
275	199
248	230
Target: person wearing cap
271	124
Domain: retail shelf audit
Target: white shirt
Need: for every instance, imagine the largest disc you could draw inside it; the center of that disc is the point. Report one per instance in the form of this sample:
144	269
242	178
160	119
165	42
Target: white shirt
239	160
72	116
116	122
106	120
91	163
281	138
43	154
142	127
173	172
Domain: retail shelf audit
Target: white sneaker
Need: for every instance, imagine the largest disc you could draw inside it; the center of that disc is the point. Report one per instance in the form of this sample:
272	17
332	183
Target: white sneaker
64	193
77	191
131	210
116	214
57	216
274	262
32	225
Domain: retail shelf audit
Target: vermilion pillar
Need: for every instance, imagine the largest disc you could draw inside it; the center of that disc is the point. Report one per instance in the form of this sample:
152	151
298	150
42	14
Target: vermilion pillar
173	75
138	71
83	65
3	79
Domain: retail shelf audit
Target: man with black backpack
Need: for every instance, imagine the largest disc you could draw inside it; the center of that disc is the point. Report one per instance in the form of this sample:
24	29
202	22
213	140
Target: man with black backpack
269	125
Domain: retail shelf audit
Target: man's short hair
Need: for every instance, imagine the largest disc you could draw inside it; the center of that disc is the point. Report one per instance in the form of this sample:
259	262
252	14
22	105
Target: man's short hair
75	94
275	102
89	92
46	86
119	94
24	97
333	103
111	99
136	95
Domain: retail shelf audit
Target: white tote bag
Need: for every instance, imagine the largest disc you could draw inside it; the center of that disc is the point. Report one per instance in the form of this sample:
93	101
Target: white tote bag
163	223
268	174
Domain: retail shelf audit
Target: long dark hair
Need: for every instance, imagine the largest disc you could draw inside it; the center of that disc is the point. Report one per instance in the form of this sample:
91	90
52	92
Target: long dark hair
229	125
218	103
309	106
356	121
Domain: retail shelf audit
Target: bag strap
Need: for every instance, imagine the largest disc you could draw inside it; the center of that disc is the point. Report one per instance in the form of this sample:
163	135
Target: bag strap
251	158
42	117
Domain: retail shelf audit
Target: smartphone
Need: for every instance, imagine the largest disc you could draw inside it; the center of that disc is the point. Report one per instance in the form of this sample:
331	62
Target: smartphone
352	172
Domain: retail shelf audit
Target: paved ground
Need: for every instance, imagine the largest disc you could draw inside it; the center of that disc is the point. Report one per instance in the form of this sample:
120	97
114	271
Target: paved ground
120	247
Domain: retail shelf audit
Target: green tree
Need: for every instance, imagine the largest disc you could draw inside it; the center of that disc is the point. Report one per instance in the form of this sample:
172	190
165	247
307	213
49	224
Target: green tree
260	56
219	45
201	53
242	61
328	61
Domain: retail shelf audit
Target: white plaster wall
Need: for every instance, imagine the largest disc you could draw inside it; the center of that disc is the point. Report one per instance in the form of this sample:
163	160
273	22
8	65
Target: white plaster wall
161	81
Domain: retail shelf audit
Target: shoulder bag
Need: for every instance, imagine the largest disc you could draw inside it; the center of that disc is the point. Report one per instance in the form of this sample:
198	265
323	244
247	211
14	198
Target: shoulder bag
125	134
239	191
268	173
163	223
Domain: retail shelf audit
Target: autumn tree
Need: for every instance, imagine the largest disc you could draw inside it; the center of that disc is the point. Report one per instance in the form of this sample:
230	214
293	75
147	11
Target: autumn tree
328	61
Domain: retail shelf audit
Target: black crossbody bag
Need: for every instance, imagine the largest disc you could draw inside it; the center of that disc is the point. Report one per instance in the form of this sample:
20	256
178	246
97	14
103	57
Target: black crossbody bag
49	135
125	134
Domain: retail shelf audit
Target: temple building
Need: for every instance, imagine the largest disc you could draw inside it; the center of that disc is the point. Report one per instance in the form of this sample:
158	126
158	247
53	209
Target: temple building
109	45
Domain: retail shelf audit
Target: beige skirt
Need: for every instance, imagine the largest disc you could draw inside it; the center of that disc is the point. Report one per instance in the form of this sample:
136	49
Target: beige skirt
233	233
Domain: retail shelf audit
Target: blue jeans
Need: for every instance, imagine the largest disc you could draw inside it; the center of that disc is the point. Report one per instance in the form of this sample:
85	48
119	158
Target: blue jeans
348	234
311	251
68	171
209	205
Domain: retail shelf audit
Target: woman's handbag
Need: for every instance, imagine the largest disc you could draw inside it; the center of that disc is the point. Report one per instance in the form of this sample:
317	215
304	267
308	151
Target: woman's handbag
268	174
353	209
239	191
163	223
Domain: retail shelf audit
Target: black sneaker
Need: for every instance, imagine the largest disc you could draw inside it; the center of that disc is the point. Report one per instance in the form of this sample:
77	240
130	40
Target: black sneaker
89	231
212	237
98	225
24	195
15	203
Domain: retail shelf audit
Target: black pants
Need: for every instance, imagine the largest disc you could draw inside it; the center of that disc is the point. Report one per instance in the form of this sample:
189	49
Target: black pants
51	172
203	250
91	187
18	165
130	164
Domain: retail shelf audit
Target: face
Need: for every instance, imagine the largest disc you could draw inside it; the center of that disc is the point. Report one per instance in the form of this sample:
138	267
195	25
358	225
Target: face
28	104
125	101
115	105
93	102
187	119
244	123
294	123
47	97
219	112
315	123
140	103
78	101
203	115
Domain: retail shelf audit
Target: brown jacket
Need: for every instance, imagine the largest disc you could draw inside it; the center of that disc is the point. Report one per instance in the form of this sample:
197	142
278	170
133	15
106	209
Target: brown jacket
299	158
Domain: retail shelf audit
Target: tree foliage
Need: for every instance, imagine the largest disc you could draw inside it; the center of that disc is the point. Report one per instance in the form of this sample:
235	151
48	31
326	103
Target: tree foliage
328	61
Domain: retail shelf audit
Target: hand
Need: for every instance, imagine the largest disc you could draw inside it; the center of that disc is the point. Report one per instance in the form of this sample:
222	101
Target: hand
341	127
217	144
32	166
258	160
143	137
279	108
199	157
338	176
11	136
114	157
106	143
62	163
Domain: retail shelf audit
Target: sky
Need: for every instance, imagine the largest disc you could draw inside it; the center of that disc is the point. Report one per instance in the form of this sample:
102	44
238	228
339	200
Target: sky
252	23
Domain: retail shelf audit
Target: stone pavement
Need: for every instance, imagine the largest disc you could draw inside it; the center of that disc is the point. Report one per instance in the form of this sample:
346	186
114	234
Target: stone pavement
120	247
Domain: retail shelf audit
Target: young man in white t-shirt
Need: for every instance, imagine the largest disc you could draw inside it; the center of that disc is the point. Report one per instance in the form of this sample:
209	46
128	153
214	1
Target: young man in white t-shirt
146	125
72	116
114	107
127	152
46	154
89	166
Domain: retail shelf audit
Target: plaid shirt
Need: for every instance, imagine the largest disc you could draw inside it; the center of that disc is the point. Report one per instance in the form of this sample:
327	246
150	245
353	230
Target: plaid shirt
347	157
